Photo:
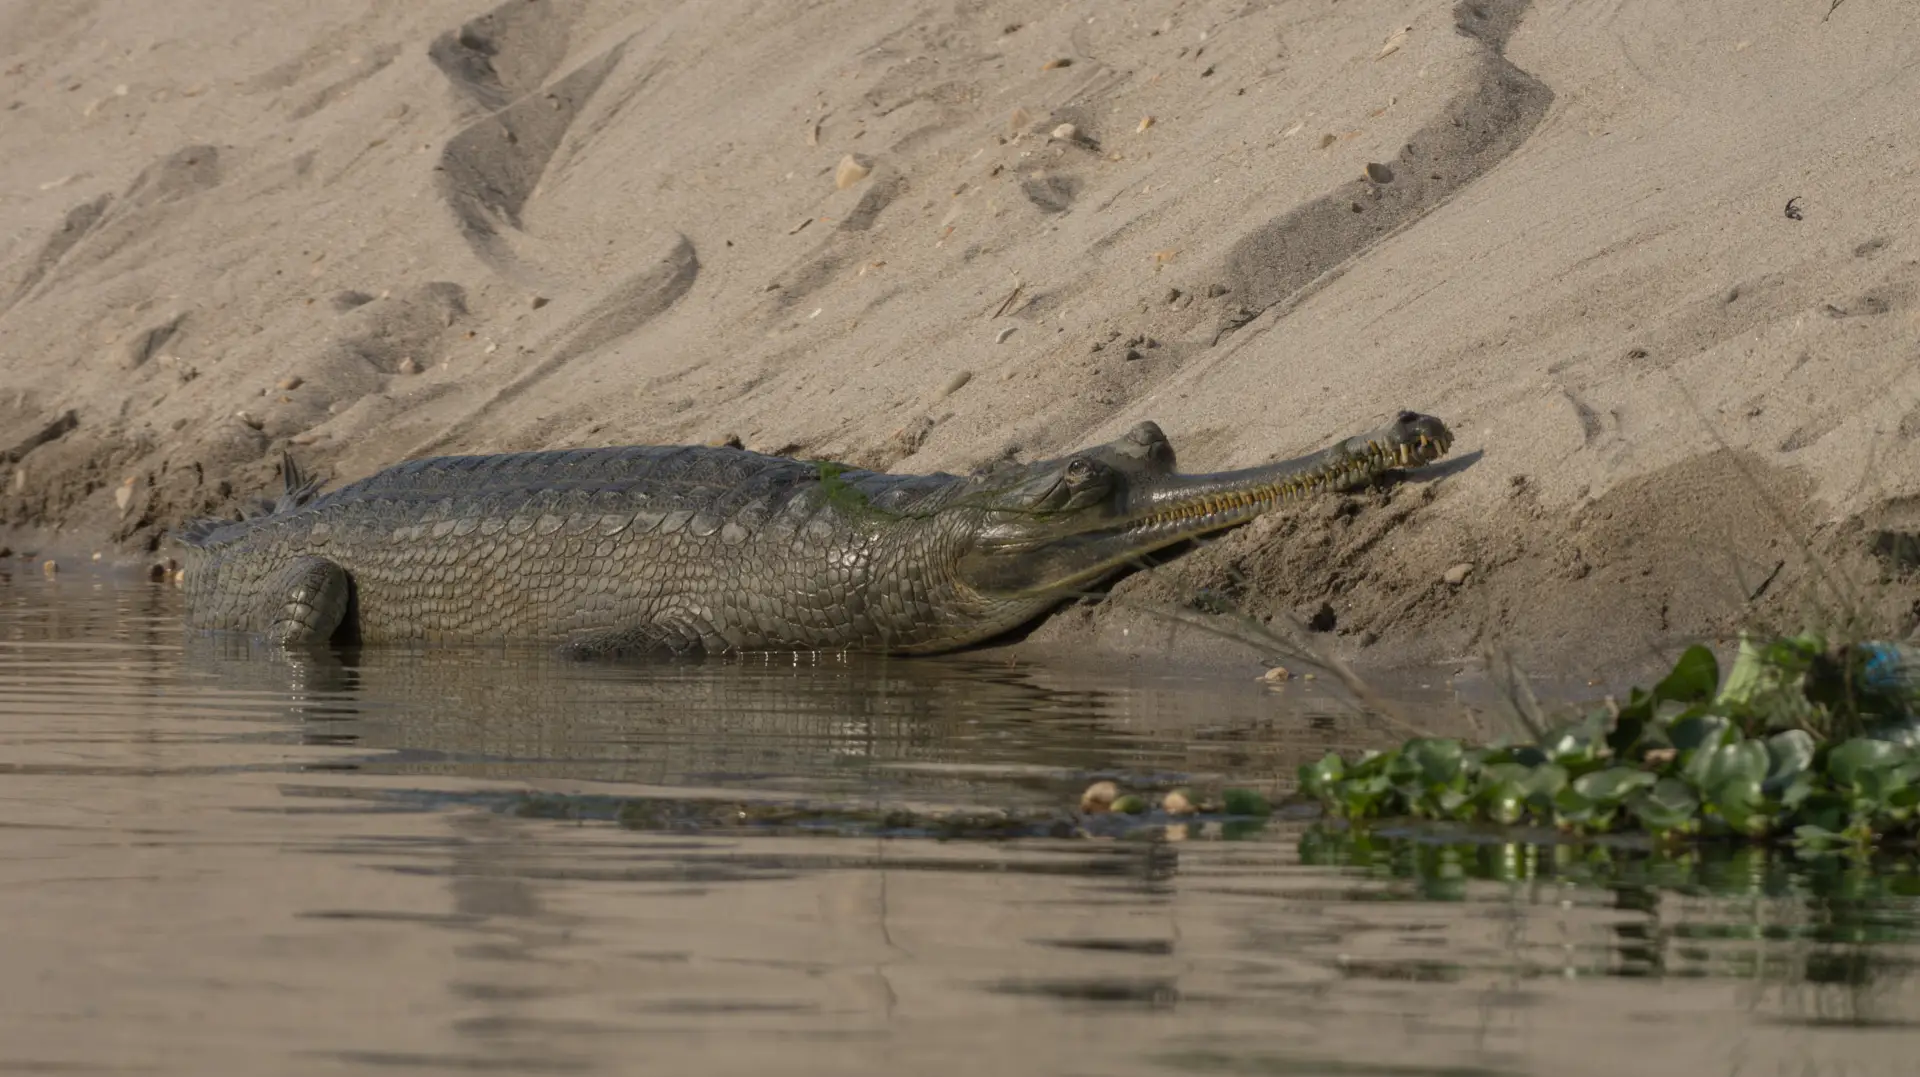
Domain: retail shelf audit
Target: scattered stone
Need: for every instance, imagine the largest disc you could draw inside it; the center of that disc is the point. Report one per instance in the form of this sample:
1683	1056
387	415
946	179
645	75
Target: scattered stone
850	171
1002	335
1057	63
1215	291
1379	173
1134	354
249	420
1458	574
956	383
1066	132
1328	140
123	495
290	383
1178	802
1277	674
538	301
1165	256
1098	798
51	568
96	555
1173	295
1145	122
1018	121
408	365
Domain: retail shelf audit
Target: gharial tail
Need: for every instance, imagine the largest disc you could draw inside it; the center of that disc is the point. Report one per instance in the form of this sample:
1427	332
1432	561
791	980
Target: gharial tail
300	489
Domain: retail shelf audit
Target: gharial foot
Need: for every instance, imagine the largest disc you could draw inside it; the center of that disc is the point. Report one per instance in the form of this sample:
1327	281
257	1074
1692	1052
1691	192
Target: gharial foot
312	593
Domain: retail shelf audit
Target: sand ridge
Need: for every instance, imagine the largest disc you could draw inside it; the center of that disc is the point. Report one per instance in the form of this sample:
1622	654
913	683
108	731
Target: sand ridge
364	232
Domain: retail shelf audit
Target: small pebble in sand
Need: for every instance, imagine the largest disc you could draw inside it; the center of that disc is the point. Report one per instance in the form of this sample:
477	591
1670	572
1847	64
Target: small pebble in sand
290	383
1215	291
123	494
1002	335
1458	574
1379	173
1277	674
1018	121
1328	140
248	420
408	365
51	568
1178	803
1056	63
1145	122
1066	132
850	171
538	301
1173	295
1099	796
956	383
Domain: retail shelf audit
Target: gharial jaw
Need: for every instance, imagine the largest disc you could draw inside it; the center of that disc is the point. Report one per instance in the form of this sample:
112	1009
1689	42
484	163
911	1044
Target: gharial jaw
1077	519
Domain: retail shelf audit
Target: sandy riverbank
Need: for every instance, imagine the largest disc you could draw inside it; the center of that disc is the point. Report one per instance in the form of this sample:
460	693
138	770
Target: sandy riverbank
365	232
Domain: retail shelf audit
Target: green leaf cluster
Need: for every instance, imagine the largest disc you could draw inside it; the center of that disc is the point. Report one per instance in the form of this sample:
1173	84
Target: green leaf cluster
1753	759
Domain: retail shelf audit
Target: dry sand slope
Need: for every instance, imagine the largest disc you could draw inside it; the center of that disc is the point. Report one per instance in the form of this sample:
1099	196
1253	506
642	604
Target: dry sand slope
370	230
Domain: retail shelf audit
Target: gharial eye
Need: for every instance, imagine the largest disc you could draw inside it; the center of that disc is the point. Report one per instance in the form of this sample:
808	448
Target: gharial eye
1079	470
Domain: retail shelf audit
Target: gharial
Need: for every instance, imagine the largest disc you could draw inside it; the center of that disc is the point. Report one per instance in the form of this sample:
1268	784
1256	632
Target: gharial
695	549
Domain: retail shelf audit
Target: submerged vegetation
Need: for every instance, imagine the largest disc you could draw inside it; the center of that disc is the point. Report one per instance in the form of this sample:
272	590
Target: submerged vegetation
1806	743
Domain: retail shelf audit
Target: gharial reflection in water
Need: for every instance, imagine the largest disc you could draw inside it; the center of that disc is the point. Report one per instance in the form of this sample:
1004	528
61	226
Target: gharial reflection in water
217	858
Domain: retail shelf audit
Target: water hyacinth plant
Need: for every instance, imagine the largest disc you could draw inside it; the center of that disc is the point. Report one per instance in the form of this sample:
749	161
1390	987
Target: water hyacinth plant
1802	742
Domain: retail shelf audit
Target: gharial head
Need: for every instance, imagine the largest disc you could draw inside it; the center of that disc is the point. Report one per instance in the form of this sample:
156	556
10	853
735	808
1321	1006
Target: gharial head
1046	528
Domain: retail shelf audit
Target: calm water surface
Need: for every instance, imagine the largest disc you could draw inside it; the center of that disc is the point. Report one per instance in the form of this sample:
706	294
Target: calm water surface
221	860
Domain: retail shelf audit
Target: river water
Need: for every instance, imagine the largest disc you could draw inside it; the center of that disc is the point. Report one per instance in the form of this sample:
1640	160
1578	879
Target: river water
218	859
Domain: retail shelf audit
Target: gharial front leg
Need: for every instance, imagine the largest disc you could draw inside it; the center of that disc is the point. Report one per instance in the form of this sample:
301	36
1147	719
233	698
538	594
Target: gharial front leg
304	601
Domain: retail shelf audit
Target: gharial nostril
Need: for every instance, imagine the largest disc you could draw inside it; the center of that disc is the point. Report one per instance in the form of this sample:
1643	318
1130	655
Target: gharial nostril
1408	418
